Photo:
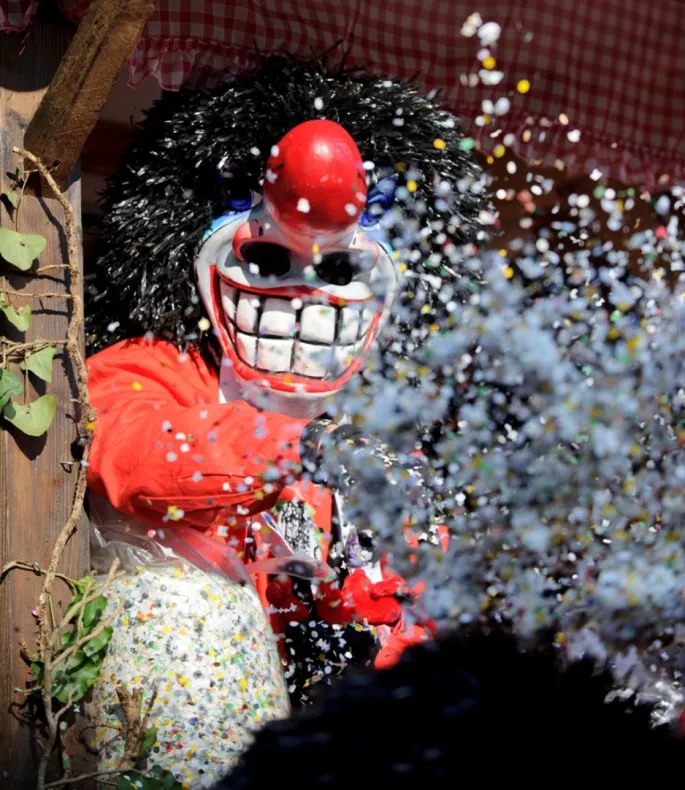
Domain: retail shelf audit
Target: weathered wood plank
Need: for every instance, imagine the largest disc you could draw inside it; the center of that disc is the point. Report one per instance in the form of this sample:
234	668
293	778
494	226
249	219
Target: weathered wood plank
85	78
36	489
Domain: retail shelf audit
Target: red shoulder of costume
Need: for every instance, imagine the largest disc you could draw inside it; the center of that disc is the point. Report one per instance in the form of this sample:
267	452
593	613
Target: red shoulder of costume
126	367
164	448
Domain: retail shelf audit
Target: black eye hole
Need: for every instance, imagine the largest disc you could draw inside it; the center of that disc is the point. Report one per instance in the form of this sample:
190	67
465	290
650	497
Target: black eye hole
272	260
339	268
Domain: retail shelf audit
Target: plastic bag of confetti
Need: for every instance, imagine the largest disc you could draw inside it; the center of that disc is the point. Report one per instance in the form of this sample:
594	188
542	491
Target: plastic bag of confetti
192	633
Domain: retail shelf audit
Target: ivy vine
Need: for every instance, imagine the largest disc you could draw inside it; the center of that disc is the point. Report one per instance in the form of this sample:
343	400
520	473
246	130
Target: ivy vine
83	639
20	250
70	648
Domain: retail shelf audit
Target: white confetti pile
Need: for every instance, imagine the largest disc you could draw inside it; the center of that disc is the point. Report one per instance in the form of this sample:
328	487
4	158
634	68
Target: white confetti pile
206	645
561	469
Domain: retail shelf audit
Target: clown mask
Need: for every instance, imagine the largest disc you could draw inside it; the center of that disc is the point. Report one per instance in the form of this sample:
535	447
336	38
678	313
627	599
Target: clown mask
297	282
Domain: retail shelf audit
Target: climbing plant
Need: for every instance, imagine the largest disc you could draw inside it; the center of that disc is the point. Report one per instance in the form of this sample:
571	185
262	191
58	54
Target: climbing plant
70	647
19	251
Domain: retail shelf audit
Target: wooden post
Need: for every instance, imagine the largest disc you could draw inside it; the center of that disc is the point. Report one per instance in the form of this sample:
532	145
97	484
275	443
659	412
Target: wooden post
85	78
36	485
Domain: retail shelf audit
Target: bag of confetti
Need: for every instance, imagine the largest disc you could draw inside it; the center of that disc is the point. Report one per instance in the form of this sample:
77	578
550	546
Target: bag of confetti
189	630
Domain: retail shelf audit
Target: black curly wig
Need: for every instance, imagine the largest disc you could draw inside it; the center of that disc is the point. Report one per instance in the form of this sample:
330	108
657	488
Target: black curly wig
166	192
470	705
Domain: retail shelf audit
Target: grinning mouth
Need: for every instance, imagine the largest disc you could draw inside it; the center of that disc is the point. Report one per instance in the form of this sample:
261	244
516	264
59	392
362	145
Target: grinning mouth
307	339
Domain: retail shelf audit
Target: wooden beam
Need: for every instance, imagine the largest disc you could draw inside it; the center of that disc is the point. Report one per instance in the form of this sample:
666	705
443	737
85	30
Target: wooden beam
36	486
85	78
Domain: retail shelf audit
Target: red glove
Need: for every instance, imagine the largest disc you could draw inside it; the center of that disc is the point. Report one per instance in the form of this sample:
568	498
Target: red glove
360	600
399	640
333	605
280	595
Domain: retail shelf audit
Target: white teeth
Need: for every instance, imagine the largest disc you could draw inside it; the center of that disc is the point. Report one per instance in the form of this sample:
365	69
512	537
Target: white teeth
248	307
228	299
368	314
279	317
247	349
274	355
257	324
311	360
318	323
343	357
349	325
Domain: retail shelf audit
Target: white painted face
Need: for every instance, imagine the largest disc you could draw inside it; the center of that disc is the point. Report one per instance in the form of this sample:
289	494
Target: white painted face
297	322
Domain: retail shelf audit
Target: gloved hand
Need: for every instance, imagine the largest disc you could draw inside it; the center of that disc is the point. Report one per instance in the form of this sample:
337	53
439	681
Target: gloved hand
360	600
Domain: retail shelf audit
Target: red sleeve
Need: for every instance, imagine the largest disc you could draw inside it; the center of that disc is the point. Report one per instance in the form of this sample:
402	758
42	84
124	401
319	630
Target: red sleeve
165	447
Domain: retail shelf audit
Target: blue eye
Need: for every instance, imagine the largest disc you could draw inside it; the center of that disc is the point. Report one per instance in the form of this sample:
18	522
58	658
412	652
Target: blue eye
240	203
234	191
378	201
237	204
233	207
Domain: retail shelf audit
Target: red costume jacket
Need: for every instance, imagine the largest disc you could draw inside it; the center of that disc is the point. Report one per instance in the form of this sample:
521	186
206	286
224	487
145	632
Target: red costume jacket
166	451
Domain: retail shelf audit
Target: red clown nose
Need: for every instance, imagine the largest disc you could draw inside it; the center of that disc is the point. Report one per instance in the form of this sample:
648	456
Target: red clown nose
315	186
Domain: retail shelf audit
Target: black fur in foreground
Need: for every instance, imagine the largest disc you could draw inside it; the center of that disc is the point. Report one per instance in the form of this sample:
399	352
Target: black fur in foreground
469	707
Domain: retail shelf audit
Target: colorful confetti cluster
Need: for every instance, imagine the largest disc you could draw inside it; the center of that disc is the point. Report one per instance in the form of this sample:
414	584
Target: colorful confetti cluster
557	384
205	645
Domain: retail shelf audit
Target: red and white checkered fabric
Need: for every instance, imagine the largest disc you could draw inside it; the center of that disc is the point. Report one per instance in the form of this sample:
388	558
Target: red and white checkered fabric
611	67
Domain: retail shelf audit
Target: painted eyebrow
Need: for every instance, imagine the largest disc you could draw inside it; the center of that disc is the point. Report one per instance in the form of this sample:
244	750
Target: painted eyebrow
219	222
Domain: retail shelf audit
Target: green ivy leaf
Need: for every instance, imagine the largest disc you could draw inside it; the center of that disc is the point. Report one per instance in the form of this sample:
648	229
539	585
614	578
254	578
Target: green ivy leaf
93	611
97	643
72	604
82	585
37	670
10	387
148	740
34	418
21	318
166	778
40	363
75	677
73	663
20	249
11	196
156	779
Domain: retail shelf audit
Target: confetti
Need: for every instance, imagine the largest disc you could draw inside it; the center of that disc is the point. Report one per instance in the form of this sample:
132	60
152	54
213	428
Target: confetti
471	25
489	33
502	106
166	619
